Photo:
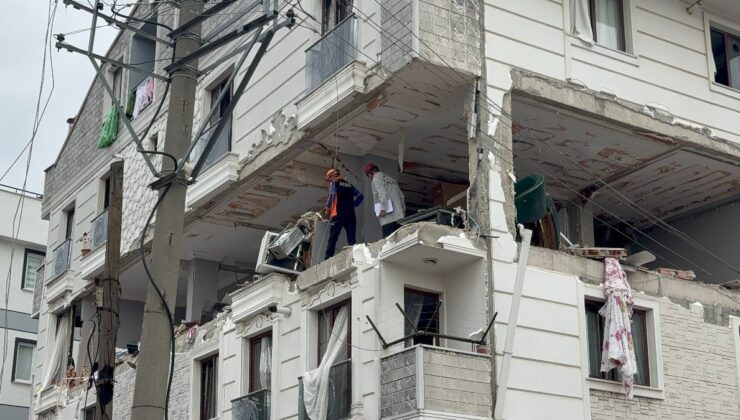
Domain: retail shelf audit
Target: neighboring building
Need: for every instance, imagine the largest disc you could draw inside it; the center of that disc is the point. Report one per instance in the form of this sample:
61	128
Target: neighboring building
22	252
630	111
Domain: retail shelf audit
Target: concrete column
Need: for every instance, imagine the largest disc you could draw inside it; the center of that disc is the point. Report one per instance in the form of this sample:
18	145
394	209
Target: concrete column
202	287
586	224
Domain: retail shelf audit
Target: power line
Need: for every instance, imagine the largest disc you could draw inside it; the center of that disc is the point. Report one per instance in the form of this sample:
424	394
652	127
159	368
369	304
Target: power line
18	216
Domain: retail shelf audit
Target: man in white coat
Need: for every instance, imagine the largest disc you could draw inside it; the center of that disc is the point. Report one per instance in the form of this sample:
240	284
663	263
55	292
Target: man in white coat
388	200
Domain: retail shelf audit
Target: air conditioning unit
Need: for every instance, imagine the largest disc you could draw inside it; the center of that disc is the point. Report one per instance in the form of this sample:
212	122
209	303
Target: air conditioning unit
267	263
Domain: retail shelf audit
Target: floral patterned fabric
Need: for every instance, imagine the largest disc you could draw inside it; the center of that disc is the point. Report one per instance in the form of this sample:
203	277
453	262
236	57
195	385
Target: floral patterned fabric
618	349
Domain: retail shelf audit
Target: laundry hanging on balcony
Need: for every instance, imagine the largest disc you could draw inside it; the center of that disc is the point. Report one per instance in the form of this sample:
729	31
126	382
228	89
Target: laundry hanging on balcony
110	128
617	348
316	382
144	96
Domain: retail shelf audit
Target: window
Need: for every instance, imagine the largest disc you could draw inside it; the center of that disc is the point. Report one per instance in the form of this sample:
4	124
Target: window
326	323
422	308
117	79
32	260
23	360
260	360
105	192
69	224
726	54
595	324
340	375
607	23
333	12
90	413
208	387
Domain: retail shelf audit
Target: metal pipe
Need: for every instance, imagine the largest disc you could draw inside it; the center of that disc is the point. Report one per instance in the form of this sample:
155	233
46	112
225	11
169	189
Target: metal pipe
521	271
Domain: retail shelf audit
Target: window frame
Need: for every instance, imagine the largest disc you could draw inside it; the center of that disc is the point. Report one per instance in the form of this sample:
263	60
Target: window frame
651	307
623	26
69	225
335	310
25	267
325	24
594	305
22	341
722	25
251	362
438	296
726	35
202	408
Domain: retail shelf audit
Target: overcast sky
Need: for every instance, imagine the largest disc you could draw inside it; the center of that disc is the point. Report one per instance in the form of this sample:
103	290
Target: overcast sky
22	28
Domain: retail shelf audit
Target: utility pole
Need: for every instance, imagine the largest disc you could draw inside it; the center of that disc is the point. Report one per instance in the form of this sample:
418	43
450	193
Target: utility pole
152	365
107	296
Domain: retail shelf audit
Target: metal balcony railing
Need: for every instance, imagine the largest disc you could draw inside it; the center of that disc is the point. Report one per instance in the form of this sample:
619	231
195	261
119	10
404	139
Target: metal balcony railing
61	257
254	406
340	393
99	230
331	53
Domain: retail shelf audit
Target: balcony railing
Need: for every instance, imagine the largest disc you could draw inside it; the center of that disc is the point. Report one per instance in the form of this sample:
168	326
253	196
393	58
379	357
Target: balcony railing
60	259
38	291
99	230
254	406
331	53
340	393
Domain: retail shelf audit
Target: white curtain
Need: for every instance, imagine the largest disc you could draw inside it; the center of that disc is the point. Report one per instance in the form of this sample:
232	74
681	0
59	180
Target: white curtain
413	305
58	359
265	362
580	17
609	23
316	382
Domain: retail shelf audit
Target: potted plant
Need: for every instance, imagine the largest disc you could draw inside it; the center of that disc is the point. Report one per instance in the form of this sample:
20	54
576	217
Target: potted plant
85	245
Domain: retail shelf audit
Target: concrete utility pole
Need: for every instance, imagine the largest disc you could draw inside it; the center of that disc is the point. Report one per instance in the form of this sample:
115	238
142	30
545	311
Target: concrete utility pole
152	365
107	296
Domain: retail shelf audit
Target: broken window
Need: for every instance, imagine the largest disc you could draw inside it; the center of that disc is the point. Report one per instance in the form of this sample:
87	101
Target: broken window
422	308
31	262
595	324
607	23
726	55
327	317
23	360
333	12
260	362
208	387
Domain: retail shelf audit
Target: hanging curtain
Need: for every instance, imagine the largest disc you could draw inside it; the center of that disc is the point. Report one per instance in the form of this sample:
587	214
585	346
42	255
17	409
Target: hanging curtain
617	349
580	17
265	362
609	23
316	382
58	360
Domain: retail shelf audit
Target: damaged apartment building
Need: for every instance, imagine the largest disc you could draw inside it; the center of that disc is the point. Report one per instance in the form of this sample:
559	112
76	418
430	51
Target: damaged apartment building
535	142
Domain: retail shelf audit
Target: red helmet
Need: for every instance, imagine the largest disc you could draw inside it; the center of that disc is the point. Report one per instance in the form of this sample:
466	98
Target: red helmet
369	167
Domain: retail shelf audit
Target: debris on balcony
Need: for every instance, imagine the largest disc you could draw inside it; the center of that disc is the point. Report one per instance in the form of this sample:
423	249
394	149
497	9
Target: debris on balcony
679	274
597	252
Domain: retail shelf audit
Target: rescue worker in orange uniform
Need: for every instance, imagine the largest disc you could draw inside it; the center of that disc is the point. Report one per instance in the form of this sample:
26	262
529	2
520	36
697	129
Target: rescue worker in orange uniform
343	198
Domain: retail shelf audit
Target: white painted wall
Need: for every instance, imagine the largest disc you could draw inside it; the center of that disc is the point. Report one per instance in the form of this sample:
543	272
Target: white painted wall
667	63
30	235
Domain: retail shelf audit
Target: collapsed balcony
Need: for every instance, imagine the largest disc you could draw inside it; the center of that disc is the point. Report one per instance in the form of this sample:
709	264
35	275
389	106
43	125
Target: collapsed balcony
595	187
